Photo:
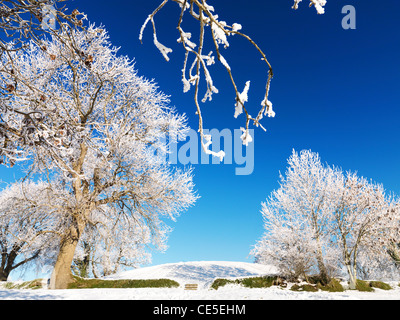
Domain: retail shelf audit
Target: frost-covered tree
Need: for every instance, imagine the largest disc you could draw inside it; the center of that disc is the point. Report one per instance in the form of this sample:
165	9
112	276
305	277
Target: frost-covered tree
302	209
287	242
31	220
365	220
104	132
372	265
322	218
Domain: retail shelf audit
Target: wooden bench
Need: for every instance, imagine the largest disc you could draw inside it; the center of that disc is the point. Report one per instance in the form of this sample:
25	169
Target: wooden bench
191	286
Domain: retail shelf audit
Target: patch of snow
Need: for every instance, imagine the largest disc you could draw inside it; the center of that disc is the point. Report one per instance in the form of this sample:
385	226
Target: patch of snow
228	292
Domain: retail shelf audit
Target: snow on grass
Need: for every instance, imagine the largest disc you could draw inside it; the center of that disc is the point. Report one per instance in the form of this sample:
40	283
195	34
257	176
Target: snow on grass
203	273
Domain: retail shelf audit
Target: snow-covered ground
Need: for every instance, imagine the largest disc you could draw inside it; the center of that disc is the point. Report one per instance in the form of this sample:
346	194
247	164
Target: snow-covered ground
203	273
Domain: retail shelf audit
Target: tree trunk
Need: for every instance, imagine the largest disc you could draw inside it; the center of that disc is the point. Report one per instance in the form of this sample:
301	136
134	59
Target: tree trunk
352	277
3	275
61	276
351	270
62	273
394	253
323	273
7	262
81	266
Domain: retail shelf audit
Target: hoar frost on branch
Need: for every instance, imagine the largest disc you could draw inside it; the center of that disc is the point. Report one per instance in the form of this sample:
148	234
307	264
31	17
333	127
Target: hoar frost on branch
20	23
205	14
220	31
318	4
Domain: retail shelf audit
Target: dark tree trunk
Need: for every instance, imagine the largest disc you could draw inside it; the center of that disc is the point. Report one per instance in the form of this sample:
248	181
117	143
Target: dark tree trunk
8	259
7	262
3	275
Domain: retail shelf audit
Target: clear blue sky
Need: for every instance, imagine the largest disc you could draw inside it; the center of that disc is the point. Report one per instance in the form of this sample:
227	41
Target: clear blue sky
335	92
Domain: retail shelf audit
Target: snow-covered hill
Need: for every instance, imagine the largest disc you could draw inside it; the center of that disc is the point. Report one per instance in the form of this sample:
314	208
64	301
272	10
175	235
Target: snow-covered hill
201	272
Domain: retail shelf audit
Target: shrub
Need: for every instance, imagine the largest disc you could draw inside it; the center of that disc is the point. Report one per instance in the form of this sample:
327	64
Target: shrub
332	286
254	282
304	287
80	283
380	285
258	282
362	285
32	284
220	283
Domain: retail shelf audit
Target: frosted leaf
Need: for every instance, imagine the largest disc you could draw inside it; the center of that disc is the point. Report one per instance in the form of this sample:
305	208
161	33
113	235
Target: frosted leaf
210	60
268	110
181	2
207	137
219	35
210	87
318	4
296	4
186	85
224	62
220	154
246	137
186	38
236	27
163	49
209	8
243	97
